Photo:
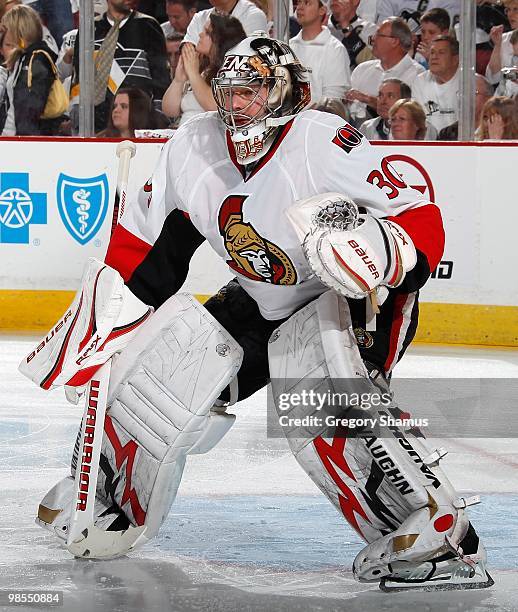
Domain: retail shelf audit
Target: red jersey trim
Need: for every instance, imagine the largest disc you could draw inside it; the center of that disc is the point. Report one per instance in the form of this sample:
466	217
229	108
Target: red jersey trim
126	252
424	226
275	145
397	322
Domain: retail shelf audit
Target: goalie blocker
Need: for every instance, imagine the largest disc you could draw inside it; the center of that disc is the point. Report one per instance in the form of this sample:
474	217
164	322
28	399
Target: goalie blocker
101	320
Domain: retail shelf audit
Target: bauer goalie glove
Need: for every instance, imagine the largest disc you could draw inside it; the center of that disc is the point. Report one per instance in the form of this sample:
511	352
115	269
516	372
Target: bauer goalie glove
351	252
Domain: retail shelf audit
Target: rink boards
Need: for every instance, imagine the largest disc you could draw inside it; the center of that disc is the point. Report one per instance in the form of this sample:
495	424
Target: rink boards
55	212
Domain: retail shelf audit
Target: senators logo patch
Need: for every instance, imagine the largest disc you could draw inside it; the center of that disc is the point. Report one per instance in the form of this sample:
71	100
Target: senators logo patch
250	254
364	339
347	137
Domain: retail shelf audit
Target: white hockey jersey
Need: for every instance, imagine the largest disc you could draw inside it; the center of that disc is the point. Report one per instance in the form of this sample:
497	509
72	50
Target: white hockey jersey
243	216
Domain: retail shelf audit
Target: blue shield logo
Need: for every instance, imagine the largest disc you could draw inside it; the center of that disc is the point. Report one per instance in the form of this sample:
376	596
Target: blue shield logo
82	204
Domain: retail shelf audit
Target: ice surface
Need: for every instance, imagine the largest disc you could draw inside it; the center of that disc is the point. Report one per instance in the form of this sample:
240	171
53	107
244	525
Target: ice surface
249	530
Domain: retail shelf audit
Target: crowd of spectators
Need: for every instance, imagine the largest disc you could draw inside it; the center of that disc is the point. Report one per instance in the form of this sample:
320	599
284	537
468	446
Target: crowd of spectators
390	67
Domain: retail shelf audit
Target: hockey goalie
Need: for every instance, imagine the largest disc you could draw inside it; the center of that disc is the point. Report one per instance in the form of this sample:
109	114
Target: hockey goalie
328	246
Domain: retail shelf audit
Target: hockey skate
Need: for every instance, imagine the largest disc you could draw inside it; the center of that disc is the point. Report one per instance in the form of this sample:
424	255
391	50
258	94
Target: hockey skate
111	529
460	568
441	574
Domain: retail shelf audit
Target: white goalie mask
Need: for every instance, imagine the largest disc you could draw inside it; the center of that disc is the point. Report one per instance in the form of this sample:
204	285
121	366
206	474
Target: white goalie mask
260	86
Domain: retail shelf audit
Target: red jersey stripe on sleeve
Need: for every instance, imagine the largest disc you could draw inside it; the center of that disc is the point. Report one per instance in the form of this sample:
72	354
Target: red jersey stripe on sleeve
126	252
424	226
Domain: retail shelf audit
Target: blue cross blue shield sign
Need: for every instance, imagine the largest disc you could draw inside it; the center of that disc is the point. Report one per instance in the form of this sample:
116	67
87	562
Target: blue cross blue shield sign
82	204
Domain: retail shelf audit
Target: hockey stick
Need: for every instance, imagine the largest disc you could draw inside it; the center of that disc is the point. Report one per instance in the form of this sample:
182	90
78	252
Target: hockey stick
84	538
125	151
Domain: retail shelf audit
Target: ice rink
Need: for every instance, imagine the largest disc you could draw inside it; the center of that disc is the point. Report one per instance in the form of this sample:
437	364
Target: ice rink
249	530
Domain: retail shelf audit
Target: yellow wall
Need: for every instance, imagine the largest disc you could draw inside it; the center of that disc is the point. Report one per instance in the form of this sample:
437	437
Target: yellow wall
443	323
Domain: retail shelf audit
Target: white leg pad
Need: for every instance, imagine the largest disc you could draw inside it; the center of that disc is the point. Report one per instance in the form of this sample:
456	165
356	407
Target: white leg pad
161	404
378	480
162	389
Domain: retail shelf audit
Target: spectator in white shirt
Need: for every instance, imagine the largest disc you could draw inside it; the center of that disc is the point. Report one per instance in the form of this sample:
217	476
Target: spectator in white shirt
435	22
437	90
390	91
390	45
252	18
483	91
317	49
367	10
179	15
502	54
509	80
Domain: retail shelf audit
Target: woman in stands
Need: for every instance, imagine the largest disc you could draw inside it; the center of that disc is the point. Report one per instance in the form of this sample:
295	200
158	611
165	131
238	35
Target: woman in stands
498	120
22	106
407	120
7	5
132	109
190	94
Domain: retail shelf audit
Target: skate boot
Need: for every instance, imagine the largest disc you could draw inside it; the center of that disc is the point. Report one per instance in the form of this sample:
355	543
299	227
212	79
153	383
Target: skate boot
460	567
55	509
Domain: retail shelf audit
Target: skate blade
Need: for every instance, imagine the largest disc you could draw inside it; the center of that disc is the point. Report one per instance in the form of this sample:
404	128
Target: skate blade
391	585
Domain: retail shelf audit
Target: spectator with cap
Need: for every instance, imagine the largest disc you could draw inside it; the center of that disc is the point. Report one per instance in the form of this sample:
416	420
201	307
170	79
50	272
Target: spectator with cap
390	45
351	30
317	49
437	90
483	91
390	91
435	22
179	16
251	17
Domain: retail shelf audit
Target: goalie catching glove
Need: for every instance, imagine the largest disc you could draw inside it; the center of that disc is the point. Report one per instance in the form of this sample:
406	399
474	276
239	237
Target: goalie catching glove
351	252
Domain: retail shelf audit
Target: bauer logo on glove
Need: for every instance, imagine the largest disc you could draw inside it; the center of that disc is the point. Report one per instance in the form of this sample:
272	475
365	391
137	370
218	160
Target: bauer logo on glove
351	252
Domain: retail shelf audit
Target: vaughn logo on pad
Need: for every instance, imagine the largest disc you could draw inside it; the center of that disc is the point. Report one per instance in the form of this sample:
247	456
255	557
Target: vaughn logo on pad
82	204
